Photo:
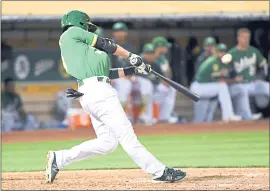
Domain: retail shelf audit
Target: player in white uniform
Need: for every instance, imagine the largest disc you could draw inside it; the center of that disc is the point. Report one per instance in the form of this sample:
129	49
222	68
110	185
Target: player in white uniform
147	85
85	56
165	95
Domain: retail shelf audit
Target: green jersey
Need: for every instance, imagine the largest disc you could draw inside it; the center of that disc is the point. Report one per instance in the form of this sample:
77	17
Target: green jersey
246	62
80	59
164	65
209	70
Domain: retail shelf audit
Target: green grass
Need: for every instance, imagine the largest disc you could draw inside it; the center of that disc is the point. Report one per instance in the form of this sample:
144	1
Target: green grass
248	149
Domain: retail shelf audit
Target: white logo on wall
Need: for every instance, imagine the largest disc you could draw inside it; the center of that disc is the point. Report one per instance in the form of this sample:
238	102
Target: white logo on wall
22	67
43	66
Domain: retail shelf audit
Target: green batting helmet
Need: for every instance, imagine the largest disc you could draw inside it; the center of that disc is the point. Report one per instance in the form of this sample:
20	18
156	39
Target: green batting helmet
160	41
208	41
78	19
222	47
119	26
148	48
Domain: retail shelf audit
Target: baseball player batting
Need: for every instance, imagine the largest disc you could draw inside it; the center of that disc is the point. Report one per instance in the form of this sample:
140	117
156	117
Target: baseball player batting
85	56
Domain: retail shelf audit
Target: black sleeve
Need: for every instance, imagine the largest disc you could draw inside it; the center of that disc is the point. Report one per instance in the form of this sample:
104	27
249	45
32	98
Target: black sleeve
113	73
127	71
106	45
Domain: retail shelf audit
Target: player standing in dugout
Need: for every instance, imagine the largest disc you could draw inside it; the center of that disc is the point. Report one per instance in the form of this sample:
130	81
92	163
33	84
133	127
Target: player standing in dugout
85	57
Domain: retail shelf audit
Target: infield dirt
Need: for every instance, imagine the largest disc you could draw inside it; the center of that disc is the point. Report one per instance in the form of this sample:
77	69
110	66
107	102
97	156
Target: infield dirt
135	179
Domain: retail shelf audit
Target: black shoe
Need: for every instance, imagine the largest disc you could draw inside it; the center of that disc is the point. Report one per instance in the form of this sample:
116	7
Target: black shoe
171	175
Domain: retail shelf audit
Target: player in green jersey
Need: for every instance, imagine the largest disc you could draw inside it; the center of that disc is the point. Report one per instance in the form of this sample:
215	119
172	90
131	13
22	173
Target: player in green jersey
209	83
238	93
246	60
209	49
85	56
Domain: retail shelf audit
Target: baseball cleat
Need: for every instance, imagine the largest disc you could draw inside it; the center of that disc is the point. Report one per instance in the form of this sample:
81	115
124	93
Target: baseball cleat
51	169
170	175
173	120
256	116
144	122
235	118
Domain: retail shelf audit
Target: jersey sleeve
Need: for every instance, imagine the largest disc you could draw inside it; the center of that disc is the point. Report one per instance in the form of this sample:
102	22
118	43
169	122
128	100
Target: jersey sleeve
231	51
81	35
261	61
204	70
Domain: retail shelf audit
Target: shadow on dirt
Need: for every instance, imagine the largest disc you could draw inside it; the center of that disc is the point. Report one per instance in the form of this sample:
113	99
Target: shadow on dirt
214	177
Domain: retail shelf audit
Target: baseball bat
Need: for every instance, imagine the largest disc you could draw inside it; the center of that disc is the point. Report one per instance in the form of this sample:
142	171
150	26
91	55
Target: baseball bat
194	97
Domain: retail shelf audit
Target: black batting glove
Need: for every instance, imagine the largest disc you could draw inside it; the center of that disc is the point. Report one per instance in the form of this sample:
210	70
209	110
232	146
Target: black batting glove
73	93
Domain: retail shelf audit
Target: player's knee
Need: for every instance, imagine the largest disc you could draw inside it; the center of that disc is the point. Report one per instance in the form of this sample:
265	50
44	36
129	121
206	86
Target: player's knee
223	86
113	146
109	145
150	86
240	90
262	87
129	140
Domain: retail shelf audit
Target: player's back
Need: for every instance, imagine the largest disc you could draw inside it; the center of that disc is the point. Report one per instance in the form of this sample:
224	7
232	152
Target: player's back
80	59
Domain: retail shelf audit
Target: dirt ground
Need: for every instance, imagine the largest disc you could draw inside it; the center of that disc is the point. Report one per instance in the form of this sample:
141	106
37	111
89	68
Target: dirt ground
197	179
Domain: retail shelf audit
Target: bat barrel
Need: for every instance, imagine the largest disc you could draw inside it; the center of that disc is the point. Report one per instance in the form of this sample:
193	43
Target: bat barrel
194	97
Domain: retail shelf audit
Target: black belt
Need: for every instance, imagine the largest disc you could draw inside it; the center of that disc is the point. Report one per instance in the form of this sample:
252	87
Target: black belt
99	79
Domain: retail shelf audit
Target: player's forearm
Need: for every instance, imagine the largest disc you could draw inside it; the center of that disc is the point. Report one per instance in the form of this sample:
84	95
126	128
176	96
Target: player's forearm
111	47
120	51
121	72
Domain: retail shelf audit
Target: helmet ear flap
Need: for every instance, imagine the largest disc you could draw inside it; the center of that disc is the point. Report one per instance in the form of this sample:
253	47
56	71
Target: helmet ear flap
91	27
82	24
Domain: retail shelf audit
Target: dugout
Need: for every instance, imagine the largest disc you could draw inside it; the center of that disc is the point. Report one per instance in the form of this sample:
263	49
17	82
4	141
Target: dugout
28	28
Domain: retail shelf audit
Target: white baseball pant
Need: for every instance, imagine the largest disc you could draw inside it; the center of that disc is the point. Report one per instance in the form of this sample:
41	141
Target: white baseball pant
123	87
165	97
146	89
111	125
260	90
213	89
240	100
